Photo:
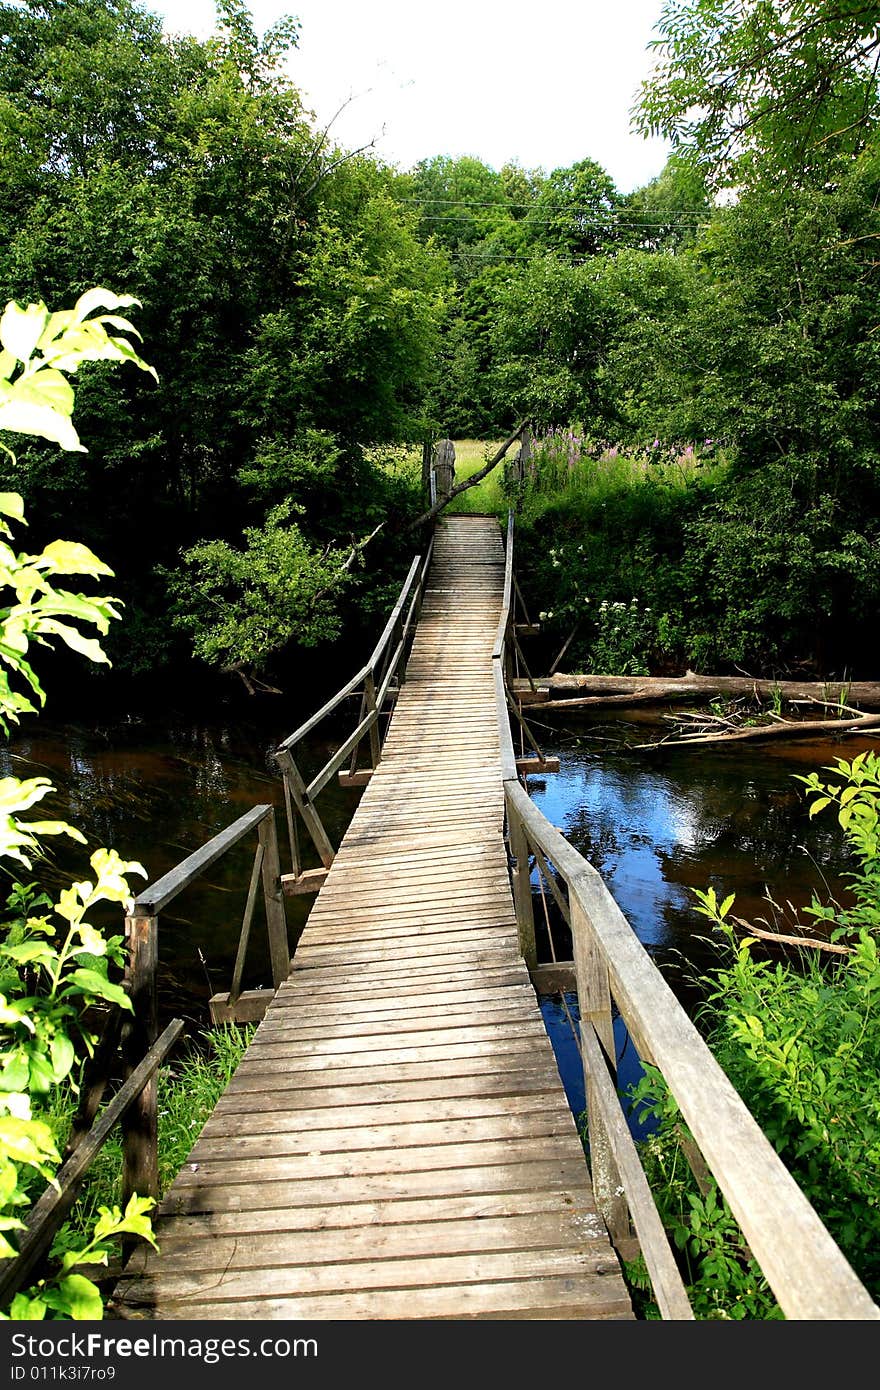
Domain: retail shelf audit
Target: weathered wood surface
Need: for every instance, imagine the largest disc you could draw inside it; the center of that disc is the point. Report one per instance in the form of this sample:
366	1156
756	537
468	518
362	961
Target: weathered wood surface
639	690
396	1142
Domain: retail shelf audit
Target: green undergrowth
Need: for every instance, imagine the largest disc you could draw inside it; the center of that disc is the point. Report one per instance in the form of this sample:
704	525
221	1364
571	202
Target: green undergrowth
799	1038
188	1088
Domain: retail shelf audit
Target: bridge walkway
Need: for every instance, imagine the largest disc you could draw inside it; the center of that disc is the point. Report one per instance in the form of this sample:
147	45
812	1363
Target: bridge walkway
396	1142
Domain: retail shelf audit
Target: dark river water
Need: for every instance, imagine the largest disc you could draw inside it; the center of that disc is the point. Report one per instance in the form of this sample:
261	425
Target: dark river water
656	825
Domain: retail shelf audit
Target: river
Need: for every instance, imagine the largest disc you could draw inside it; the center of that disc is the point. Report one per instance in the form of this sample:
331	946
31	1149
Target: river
656	825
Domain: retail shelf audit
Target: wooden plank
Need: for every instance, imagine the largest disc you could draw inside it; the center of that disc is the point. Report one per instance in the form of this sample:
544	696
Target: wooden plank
353	1045
474	1208
445	1161
403	1007
235	1284
517	1082
556	978
468	1060
268	1249
534	766
444	1110
326	1192
249	1007
303	1029
308	881
282	1143
544	1298
360	777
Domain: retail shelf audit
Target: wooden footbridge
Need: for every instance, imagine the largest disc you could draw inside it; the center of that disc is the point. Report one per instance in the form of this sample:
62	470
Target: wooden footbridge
396	1142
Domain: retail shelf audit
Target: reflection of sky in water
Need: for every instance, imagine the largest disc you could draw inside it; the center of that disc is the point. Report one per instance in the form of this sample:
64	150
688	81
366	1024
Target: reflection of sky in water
656	830
623	824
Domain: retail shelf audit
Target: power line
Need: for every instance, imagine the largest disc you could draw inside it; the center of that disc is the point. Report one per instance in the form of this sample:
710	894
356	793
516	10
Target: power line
606	224
544	207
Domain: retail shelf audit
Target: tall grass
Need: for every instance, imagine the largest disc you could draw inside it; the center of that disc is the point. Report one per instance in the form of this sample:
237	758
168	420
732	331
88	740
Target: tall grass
188	1090
567	466
487	496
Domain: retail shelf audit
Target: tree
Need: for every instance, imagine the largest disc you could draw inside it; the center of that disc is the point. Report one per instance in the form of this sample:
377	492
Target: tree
743	82
548	335
575	213
668	212
283	287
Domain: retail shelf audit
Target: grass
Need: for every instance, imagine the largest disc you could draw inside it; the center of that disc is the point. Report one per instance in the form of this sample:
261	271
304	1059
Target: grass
566	466
188	1091
470	456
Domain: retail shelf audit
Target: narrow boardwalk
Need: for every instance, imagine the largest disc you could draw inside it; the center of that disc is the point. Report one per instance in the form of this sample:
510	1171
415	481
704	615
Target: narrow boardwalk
396	1142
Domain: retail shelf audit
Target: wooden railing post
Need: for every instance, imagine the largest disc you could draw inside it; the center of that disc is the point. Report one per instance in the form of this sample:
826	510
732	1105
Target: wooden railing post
522	889
427	461
140	1124
398	640
594	1007
244	937
300	797
444	468
276	917
292	832
370	703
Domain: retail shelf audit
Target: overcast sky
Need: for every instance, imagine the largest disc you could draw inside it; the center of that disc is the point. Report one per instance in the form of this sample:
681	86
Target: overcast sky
542	84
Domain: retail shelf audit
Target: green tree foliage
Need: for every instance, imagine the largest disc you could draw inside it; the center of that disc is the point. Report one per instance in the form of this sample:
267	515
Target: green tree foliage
241	605
745	84
283	287
55	967
757	332
800	1040
575	213
668	212
547	334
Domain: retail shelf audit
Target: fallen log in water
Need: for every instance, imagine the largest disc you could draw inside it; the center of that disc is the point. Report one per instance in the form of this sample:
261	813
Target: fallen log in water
783	728
811	941
630	690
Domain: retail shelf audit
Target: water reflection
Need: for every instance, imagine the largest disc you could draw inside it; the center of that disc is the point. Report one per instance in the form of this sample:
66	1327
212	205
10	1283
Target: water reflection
658	825
655	825
155	794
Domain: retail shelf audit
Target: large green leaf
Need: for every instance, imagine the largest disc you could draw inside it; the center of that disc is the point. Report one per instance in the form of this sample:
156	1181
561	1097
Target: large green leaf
71	557
90	982
101	298
20	329
86	646
25	418
62	1054
78	1297
46	387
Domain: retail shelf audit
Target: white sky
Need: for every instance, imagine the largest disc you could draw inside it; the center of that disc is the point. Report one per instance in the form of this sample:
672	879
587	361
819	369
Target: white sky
542	84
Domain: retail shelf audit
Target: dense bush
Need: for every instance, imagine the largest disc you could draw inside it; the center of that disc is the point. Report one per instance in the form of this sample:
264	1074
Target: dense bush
800	1040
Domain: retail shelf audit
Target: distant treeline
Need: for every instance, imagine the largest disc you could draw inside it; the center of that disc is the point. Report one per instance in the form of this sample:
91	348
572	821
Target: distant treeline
311	312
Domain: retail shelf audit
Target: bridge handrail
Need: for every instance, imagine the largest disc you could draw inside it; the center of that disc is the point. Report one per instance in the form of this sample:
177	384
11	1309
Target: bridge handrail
808	1273
386	662
51	1209
164	890
369	667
